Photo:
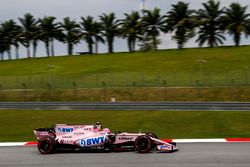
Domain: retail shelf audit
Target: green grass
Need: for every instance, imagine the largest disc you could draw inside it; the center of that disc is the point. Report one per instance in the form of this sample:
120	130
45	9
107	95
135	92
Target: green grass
18	125
224	66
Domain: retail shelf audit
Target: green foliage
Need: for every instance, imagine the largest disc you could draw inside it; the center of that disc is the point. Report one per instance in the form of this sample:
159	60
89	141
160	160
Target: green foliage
155	24
180	21
49	31
71	33
28	24
236	21
209	22
110	28
132	29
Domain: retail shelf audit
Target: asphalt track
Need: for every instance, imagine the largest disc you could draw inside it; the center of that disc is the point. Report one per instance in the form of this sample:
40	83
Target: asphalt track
225	106
189	155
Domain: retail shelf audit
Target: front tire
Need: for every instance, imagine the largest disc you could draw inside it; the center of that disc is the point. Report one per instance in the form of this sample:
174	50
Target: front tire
143	144
46	145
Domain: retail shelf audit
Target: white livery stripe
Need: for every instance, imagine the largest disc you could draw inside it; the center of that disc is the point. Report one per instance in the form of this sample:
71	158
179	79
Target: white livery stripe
199	140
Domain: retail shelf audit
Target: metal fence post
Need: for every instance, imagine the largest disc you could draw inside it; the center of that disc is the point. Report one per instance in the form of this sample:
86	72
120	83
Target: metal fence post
165	90
97	79
49	91
74	90
201	62
246	75
104	91
227	76
143	79
24	87
1	90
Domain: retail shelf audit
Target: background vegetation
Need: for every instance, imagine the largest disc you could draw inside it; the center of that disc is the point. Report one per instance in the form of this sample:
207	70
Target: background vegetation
210	24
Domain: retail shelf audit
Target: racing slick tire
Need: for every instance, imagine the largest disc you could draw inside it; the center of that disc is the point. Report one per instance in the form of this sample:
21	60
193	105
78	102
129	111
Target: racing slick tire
46	145
143	144
151	134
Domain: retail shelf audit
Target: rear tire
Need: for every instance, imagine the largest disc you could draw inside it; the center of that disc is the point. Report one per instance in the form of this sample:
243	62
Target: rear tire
143	144
46	145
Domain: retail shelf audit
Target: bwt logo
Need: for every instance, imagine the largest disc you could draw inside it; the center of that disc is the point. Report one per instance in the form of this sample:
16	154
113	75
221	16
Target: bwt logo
92	141
65	130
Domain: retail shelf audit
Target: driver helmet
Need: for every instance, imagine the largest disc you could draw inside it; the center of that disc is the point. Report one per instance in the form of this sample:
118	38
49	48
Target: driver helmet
98	125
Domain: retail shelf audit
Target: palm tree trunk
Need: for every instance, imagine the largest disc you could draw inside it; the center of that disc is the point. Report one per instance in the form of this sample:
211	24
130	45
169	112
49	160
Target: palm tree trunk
90	46
237	39
17	51
34	48
9	54
70	48
110	44
129	45
52	47
28	50
133	44
2	57
47	48
155	42
96	46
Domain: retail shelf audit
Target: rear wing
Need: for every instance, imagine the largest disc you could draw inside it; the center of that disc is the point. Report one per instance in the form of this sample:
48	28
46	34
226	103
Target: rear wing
44	132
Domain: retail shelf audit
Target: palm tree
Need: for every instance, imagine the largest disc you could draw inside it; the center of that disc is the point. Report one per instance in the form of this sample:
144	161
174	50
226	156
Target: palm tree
3	44
87	26
179	20
236	21
131	28
11	35
49	30
155	24
71	33
28	23
110	29
210	24
6	35
97	32
17	38
35	38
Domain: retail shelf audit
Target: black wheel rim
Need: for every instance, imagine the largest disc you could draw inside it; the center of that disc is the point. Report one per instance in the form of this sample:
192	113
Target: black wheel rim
45	146
143	143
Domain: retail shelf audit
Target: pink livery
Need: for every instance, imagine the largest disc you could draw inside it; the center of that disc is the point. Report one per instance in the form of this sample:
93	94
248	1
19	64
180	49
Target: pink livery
93	137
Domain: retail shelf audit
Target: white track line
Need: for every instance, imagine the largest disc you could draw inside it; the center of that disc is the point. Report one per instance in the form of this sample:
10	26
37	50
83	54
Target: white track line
221	140
199	140
5	144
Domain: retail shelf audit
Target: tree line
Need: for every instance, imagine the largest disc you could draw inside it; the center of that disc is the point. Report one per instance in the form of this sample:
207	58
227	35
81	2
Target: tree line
210	24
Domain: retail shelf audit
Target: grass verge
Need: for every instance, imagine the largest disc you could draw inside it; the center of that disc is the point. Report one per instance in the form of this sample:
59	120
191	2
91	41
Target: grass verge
224	66
18	125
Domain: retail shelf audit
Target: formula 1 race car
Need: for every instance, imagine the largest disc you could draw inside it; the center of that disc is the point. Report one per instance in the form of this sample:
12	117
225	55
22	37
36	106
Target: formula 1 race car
93	137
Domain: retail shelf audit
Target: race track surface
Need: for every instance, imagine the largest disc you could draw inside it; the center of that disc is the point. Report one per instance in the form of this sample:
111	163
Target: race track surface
189	155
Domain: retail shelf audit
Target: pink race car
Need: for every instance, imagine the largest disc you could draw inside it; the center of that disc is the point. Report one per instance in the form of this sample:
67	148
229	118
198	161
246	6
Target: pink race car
93	137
